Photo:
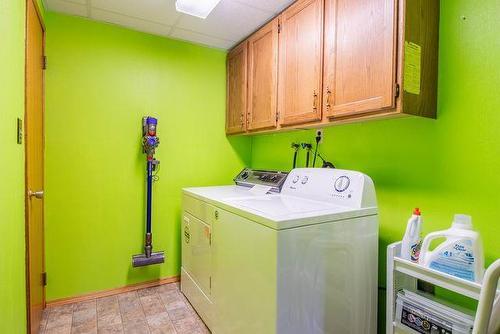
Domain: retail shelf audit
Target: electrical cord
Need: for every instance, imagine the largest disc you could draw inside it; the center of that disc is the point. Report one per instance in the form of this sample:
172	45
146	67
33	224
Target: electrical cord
318	139
296	147
326	164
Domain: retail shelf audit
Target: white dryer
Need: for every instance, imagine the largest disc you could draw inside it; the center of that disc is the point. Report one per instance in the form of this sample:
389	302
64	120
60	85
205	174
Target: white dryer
303	260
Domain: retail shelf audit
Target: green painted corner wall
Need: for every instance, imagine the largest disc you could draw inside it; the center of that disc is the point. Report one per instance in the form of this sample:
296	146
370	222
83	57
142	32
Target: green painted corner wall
444	166
12	286
100	81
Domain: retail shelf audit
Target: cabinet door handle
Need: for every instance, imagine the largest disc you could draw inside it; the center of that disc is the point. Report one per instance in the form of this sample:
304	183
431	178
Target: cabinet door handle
216	214
315	100
328	96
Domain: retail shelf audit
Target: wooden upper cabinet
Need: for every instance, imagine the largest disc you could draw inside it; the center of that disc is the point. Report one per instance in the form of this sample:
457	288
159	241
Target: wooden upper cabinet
324	62
236	89
263	77
360	56
300	64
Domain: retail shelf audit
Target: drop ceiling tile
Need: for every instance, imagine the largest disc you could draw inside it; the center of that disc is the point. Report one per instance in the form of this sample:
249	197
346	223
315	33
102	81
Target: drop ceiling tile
275	6
131	22
159	11
229	20
67	7
198	38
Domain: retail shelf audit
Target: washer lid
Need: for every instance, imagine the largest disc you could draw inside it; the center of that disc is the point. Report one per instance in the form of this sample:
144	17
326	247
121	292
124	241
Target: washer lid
284	211
280	206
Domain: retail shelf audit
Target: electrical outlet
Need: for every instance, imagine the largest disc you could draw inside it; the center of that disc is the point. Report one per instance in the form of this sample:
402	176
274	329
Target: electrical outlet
319	133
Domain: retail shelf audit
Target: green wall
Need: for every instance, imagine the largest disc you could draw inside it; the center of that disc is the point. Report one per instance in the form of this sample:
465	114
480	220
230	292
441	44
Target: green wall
444	166
12	286
101	80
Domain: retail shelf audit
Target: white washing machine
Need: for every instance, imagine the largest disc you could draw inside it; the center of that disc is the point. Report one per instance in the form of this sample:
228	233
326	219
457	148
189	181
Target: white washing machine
303	260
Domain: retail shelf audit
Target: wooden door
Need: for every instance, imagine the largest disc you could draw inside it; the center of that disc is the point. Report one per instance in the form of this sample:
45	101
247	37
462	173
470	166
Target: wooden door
236	89
360	56
263	77
34	120
300	66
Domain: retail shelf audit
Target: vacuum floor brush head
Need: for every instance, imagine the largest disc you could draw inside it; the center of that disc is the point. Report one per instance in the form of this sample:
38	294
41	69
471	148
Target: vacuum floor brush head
141	260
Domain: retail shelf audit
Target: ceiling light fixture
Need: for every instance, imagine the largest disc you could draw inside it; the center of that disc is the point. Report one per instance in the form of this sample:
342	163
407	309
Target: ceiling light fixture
198	8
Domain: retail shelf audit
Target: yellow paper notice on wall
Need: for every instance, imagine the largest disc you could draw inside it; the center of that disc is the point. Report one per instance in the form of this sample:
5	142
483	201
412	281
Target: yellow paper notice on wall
411	83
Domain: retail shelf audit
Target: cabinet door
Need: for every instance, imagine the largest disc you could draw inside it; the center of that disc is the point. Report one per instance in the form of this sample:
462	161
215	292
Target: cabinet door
300	67
263	77
236	89
360	59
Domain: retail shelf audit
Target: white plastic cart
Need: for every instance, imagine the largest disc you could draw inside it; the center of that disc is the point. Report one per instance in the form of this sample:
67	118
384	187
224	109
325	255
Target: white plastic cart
404	274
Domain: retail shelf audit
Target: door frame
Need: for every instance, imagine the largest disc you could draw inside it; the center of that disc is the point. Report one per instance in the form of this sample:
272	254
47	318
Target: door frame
25	129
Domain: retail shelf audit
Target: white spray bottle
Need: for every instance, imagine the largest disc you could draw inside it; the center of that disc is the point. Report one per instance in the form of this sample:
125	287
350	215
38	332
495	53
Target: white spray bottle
412	240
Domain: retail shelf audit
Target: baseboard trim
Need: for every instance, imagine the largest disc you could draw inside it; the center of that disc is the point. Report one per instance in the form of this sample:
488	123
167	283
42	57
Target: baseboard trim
111	292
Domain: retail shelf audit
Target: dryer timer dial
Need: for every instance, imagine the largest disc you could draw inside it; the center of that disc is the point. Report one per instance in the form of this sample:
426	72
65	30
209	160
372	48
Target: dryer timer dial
342	183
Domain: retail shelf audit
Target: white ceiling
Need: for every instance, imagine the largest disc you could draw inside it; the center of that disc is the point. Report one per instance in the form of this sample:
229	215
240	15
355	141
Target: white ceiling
229	22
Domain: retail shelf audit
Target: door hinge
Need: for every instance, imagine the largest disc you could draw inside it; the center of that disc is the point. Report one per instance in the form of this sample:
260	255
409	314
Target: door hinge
44	279
44	62
279	28
210	239
210	282
396	91
277	116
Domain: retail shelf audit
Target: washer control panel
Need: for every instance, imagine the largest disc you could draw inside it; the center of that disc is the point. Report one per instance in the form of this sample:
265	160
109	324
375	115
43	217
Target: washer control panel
344	187
249	177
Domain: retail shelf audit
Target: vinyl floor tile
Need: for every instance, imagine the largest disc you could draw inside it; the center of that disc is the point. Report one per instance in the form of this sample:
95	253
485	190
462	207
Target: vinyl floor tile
157	310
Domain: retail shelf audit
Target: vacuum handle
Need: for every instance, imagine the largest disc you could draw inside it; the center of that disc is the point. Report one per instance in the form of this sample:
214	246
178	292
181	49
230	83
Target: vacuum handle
149	195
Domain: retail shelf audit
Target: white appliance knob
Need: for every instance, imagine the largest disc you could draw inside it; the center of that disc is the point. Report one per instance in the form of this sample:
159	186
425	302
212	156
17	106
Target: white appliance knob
304	180
295	179
342	183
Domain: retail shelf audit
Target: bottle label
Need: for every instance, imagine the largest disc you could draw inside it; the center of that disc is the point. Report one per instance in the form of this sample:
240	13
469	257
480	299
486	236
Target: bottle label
457	260
421	322
415	251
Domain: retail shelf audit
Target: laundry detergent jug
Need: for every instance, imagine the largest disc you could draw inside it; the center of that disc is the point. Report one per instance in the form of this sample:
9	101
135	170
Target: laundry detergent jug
460	255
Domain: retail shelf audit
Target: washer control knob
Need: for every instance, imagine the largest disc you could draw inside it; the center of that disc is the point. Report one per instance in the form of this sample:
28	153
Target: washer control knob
295	179
304	180
342	183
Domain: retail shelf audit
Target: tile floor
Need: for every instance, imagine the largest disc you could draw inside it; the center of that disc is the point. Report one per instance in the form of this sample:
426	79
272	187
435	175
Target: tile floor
156	310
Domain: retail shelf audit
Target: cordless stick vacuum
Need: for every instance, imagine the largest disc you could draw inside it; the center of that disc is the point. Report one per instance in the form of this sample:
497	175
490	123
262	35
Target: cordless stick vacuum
149	142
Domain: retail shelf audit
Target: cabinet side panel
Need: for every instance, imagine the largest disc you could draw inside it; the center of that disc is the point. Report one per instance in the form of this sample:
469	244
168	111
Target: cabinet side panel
422	29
